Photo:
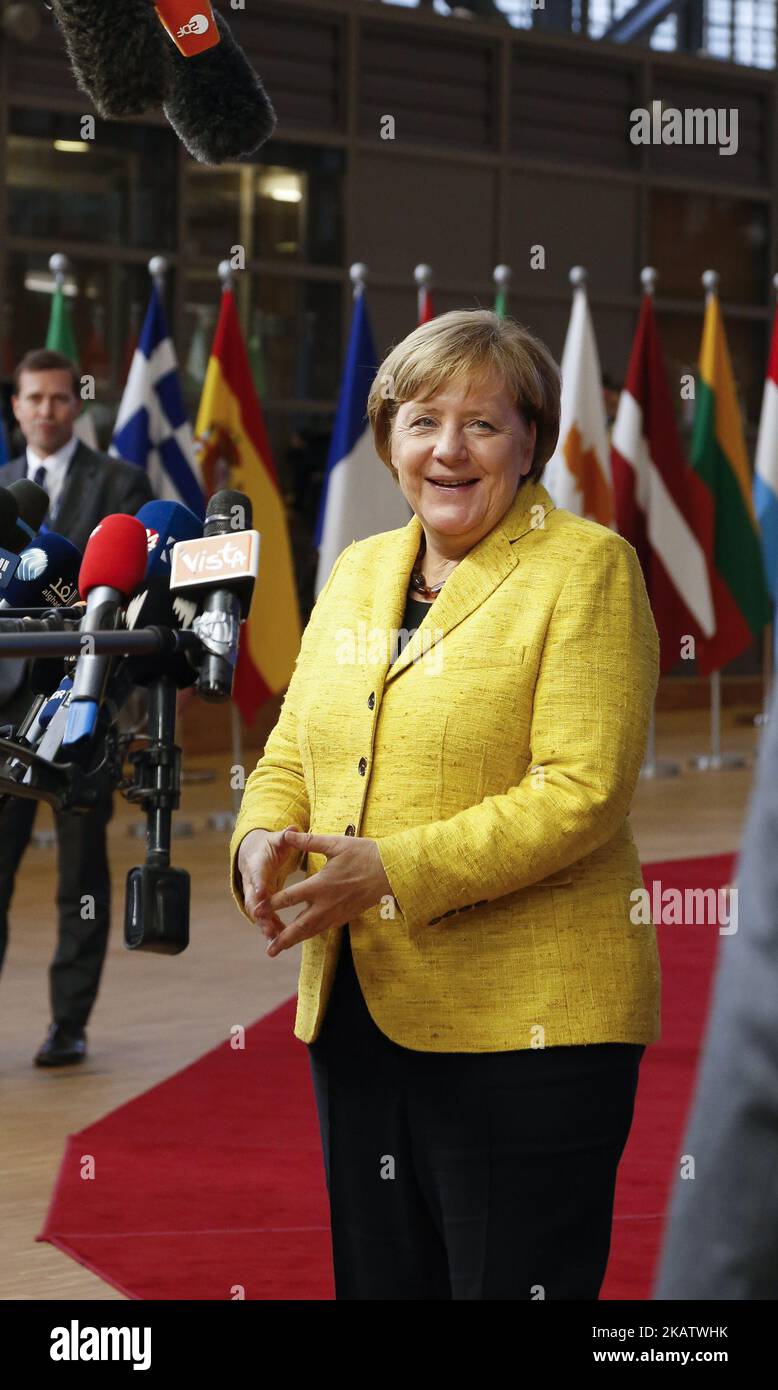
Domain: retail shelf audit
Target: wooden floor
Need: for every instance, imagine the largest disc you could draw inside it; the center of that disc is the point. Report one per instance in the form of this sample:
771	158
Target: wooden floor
156	1014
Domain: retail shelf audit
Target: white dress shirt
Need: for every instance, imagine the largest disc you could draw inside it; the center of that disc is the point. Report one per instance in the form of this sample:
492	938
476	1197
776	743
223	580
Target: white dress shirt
56	466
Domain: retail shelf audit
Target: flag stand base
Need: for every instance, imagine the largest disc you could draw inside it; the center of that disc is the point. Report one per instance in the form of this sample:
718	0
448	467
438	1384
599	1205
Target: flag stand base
718	762
653	769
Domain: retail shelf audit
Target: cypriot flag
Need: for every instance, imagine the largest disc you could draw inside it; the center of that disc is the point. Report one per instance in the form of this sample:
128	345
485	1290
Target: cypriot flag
578	476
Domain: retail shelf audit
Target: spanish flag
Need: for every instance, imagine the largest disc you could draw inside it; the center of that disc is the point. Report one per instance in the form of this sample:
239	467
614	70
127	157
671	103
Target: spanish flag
718	455
233	452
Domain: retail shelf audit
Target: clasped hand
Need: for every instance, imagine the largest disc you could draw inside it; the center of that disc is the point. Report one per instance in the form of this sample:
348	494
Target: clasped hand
352	880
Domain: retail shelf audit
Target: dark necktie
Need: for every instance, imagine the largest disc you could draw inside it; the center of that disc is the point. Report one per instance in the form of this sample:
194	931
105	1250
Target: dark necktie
40	475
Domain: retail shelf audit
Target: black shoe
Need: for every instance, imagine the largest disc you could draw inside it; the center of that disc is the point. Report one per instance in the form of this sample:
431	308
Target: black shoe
65	1043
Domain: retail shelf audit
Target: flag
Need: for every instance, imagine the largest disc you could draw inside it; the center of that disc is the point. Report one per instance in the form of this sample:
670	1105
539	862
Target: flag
501	302
359	498
765	492
578	476
234	452
662	507
718	456
151	426
60	337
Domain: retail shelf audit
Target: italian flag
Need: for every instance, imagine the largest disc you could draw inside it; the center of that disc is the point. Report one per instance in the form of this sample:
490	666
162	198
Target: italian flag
718	457
234	452
60	337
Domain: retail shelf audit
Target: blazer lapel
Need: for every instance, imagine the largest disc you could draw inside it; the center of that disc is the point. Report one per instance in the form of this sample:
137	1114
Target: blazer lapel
473	580
76	489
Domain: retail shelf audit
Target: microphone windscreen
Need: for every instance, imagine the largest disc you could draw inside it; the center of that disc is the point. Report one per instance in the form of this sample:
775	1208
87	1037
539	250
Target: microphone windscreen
215	103
166	523
115	53
115	555
228	511
46	575
8	514
32	502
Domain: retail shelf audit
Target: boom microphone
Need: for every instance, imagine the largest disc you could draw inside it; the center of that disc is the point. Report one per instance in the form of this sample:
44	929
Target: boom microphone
115	53
215	102
114	564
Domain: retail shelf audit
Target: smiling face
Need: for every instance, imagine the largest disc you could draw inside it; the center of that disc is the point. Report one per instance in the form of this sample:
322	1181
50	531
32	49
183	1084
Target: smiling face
46	408
467	432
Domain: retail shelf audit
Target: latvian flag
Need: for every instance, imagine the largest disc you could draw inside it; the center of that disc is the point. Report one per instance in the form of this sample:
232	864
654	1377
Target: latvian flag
662	507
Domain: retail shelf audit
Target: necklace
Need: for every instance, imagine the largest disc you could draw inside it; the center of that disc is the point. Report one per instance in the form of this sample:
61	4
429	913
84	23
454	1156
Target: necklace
418	583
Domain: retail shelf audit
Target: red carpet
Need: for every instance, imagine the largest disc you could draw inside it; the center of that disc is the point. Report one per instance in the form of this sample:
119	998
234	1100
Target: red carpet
211	1185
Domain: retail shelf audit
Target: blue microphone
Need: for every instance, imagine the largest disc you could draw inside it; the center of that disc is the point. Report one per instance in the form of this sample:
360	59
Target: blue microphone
46	576
166	523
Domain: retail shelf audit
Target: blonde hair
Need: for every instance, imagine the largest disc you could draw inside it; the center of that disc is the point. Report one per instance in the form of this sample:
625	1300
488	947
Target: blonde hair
469	343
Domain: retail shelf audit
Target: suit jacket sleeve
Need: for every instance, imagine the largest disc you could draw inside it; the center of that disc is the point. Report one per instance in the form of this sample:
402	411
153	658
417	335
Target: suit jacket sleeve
592	706
275	794
722	1236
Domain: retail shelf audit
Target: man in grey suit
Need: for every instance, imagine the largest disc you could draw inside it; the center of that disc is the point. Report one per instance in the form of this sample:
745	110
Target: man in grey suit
84	487
722	1236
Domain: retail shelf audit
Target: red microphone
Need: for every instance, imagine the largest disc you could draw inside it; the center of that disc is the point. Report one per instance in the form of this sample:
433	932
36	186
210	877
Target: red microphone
113	566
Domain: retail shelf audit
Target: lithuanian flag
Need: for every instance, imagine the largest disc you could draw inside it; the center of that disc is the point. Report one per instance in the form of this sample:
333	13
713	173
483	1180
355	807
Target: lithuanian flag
234	452
718	454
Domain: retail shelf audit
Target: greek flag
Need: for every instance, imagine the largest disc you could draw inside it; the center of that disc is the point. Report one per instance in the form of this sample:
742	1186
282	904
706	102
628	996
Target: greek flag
151	427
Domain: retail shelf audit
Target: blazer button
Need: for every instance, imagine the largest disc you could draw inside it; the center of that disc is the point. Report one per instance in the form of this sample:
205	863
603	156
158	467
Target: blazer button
371	700
350	830
362	766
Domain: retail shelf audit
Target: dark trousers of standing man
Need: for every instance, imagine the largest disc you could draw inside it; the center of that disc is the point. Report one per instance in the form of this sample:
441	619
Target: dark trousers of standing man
455	1175
83	899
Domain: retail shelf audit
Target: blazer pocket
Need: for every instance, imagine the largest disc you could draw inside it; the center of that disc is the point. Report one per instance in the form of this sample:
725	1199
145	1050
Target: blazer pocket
484	660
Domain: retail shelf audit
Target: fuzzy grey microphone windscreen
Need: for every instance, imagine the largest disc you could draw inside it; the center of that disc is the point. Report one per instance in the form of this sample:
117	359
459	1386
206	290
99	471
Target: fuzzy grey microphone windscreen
116	51
215	102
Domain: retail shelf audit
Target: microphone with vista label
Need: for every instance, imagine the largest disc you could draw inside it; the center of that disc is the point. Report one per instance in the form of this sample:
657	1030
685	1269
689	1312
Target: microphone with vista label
220	571
114	564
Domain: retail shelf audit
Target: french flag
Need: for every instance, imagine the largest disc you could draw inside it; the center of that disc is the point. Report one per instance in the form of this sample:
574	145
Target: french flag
766	472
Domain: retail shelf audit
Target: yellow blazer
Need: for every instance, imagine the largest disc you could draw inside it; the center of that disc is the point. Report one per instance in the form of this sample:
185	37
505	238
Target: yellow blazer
494	761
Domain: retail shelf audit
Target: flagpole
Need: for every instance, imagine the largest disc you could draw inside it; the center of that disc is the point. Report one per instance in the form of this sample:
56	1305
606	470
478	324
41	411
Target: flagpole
502	276
225	820
651	767
715	761
423	277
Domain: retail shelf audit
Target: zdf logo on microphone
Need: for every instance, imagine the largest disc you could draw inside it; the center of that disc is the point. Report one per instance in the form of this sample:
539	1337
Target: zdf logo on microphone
196	25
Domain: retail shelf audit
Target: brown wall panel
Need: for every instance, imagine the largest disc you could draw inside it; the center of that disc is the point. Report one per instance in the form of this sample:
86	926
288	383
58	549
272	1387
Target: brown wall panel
579	222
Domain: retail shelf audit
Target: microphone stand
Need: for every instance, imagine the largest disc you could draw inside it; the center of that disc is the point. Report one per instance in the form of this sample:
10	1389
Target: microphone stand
157	896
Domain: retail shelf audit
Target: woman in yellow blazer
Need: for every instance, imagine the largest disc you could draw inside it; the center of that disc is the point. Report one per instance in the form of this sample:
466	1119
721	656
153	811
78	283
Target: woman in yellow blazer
456	755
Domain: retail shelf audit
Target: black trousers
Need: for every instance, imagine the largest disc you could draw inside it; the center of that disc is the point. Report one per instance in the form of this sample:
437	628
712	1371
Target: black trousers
83	899
457	1175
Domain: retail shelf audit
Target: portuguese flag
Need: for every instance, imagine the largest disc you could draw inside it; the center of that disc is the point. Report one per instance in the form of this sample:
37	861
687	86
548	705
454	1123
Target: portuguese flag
718	455
233	452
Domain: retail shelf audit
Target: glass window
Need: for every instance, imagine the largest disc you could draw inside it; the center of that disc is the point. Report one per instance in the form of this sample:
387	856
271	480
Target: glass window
119	188
284	205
